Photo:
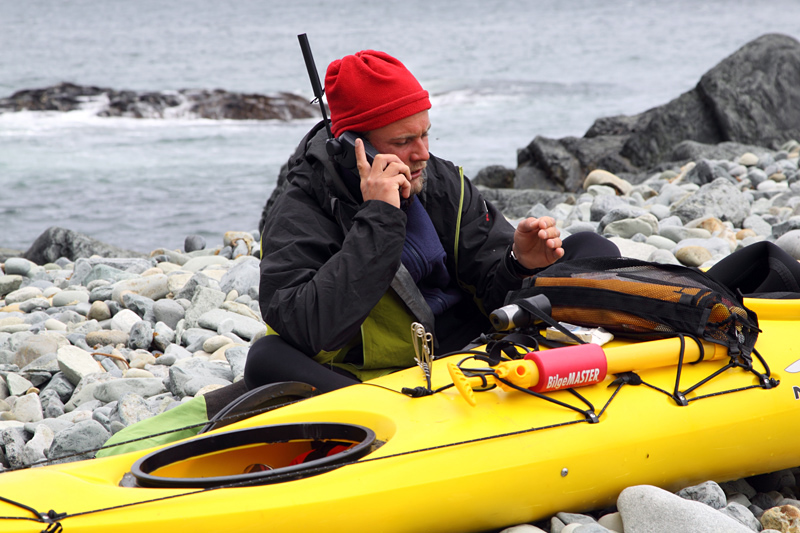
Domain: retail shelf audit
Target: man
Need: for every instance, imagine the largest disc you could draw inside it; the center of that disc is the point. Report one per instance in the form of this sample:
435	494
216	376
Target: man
345	271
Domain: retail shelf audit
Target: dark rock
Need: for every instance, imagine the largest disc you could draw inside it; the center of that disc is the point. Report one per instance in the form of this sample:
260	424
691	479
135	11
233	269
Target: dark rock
661	128
727	151
561	166
618	125
705	172
754	93
221	104
773	481
749	98
532	177
216	104
192	243
58	242
516	203
61	97
495	176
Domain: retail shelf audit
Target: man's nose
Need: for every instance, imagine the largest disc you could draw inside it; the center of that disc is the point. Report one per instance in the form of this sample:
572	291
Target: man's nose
420	152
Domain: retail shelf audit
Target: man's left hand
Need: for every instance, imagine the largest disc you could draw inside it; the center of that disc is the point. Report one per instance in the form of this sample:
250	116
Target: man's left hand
537	242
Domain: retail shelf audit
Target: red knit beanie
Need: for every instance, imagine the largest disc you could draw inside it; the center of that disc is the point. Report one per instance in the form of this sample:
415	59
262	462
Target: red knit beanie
369	90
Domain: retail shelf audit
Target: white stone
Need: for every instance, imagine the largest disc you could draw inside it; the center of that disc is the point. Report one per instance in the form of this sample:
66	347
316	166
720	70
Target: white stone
245	327
790	243
635	250
138	373
748	159
654	510
141	358
6	424
604	177
612	522
51	324
154	287
23	294
17	385
36	448
212	344
124	320
76	363
64	298
27	408
199	263
177	279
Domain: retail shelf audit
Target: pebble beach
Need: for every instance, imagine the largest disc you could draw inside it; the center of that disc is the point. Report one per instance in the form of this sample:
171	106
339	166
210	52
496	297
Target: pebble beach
90	346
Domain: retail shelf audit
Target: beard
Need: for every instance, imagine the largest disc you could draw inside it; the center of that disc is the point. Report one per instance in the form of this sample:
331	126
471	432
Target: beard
418	185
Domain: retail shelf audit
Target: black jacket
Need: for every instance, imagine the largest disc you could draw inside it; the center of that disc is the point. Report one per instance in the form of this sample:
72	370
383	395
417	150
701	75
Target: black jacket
328	260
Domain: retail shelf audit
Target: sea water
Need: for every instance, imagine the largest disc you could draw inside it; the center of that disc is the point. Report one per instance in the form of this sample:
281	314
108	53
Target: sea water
499	72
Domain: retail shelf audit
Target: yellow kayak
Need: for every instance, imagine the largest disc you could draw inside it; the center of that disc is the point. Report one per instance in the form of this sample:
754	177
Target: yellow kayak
440	463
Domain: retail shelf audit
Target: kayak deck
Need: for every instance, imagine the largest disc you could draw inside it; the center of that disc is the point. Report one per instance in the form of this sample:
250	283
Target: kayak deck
445	465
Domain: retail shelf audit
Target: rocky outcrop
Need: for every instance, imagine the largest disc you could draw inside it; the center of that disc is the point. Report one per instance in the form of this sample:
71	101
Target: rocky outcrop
216	104
750	98
56	242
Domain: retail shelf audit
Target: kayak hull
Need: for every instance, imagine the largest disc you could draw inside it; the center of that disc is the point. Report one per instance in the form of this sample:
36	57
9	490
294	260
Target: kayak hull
444	465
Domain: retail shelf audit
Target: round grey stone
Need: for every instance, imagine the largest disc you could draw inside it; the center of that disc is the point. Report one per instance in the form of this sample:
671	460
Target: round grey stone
132	408
18	265
709	493
193	243
663	257
140	336
651	509
719	198
790	243
241	277
34	304
742	514
61	385
36	346
168	311
65	298
115	390
163	336
9	283
71	443
679	233
629	227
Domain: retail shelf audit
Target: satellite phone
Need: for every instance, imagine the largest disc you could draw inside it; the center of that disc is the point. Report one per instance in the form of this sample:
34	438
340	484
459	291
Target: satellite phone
343	149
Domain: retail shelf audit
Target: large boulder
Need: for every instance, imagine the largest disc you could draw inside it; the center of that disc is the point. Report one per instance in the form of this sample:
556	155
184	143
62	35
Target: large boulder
750	98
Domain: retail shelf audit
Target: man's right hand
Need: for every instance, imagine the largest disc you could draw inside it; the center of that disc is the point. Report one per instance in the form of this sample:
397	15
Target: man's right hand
387	179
